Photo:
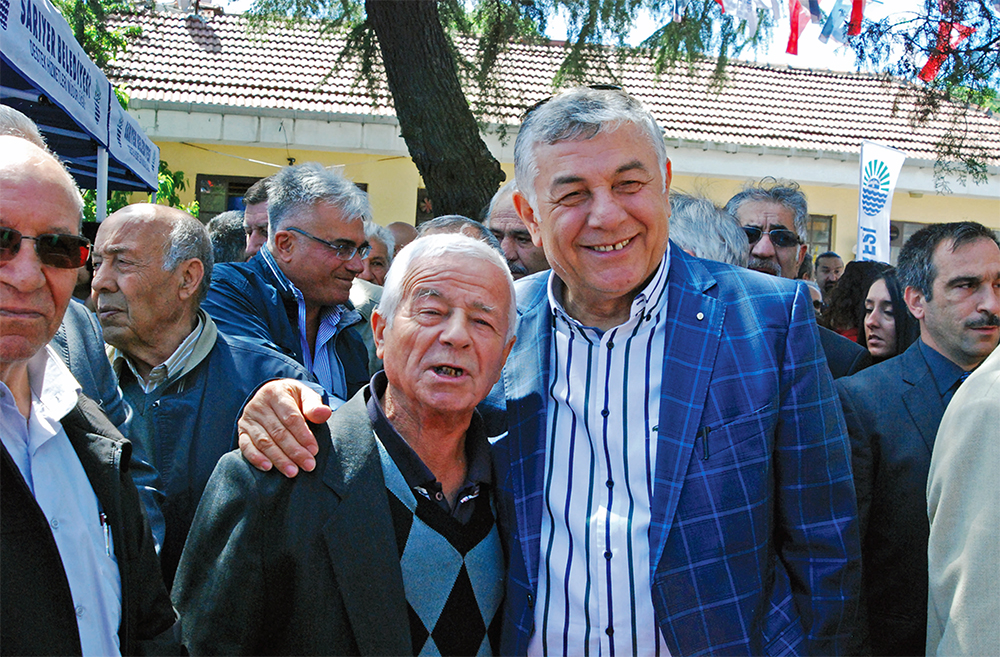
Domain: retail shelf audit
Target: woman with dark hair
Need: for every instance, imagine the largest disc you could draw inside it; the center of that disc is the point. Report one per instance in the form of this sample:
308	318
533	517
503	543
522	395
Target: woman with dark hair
889	327
845	313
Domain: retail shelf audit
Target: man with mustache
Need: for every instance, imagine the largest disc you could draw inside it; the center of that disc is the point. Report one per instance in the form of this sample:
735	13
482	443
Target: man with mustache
951	274
773	213
523	257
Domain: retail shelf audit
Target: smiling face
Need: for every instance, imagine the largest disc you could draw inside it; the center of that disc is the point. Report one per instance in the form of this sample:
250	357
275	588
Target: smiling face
323	278
765	257
448	339
880	322
36	199
602	219
962	319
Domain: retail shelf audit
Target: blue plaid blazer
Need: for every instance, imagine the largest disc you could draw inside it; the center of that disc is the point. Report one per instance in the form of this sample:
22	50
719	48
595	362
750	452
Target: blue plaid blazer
754	550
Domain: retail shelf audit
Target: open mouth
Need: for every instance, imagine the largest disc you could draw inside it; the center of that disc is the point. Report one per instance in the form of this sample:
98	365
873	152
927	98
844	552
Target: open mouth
445	370
612	247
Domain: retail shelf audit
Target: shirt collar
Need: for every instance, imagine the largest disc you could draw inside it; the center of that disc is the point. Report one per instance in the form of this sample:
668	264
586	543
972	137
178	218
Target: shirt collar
191	351
477	447
650	299
52	384
945	372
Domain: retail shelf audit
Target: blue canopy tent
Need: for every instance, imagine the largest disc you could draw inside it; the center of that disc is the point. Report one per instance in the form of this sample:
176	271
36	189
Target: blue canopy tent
45	74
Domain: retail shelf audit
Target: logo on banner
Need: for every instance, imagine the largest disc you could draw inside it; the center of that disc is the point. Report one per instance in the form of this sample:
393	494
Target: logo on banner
121	127
97	102
4	11
874	187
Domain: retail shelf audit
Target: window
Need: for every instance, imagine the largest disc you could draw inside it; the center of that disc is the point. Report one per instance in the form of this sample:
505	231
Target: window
819	231
218	194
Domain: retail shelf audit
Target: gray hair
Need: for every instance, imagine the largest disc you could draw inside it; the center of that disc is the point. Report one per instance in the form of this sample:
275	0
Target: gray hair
16	124
294	189
228	238
785	193
575	115
915	265
189	239
456	223
374	231
443	246
706	230
504	194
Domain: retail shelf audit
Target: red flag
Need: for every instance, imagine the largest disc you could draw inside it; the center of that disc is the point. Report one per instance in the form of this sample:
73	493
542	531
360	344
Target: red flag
949	36
798	17
721	5
857	11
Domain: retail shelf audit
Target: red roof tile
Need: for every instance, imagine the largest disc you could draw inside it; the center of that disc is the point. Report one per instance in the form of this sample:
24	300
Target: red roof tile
215	61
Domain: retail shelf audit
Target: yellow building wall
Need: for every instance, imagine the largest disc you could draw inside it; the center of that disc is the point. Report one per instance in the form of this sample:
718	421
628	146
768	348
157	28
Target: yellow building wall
393	183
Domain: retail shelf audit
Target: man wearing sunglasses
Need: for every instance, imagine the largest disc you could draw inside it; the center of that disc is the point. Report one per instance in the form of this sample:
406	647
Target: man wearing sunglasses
773	214
293	296
79	570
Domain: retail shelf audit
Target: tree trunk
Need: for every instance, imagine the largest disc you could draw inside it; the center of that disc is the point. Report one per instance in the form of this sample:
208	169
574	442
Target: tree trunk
441	133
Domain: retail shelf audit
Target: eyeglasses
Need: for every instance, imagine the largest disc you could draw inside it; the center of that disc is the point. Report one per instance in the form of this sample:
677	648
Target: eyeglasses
343	251
54	250
779	236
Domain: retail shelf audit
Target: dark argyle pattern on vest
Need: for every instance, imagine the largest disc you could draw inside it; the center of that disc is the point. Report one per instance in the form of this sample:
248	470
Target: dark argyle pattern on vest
452	573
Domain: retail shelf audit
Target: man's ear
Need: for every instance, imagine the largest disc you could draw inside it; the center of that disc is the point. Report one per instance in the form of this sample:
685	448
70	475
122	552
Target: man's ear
529	218
803	249
284	245
378	332
915	301
192	271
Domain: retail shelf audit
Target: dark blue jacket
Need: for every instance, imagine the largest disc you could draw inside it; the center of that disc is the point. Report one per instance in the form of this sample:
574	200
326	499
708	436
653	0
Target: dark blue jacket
79	342
246	300
194	423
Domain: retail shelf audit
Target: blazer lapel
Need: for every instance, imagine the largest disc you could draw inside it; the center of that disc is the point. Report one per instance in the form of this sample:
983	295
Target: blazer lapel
921	399
694	327
367	568
526	381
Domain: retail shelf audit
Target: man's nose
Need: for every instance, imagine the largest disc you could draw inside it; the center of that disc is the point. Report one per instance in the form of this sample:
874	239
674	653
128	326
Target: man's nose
509	247
605	210
355	265
456	330
763	248
23	272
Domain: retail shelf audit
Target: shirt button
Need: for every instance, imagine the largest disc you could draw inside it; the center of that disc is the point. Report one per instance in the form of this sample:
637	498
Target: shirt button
531	600
439	496
79	610
656	428
609	483
607	555
610	631
55	523
611	345
605	413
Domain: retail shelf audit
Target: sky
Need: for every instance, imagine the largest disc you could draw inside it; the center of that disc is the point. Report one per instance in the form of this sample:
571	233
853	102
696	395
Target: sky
812	52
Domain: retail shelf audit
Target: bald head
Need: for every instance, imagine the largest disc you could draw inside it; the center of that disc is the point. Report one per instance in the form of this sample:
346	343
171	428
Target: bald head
402	233
152	267
22	160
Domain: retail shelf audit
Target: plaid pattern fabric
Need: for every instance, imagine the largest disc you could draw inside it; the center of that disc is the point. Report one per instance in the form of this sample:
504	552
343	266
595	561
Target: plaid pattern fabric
754	535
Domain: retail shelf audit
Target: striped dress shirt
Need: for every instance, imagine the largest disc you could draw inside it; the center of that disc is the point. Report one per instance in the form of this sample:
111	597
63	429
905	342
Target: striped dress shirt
594	578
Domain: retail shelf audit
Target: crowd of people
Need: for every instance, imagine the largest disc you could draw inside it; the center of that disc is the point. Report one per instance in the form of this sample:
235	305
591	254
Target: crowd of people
549	430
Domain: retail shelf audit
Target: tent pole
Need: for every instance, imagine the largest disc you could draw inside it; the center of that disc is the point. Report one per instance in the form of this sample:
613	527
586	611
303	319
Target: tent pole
102	183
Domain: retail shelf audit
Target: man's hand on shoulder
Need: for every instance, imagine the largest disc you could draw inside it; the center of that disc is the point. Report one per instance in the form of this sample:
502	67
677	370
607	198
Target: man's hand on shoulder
273	429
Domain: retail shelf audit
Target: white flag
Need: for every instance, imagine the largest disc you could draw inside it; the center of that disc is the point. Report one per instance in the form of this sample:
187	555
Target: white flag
880	167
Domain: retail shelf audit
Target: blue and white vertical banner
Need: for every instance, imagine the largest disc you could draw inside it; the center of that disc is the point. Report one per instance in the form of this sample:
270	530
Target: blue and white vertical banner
880	167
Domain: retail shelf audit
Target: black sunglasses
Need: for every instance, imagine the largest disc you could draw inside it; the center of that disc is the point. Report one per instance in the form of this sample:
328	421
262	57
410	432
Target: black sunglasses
54	250
778	236
343	251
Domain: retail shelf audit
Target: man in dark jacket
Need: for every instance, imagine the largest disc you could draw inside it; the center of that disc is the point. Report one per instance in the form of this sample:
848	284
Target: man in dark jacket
952	278
184	380
293	295
79	570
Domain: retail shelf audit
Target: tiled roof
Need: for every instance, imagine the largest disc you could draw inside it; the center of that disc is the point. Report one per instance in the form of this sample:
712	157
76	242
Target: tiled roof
215	61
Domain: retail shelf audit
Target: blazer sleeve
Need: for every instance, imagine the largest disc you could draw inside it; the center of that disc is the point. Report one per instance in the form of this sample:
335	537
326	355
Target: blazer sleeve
219	586
816	529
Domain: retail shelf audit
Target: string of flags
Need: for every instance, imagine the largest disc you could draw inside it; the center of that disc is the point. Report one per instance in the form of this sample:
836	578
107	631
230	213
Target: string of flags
843	20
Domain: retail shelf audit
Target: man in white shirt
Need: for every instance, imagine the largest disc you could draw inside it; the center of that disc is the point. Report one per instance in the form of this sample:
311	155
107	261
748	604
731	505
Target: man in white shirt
79	569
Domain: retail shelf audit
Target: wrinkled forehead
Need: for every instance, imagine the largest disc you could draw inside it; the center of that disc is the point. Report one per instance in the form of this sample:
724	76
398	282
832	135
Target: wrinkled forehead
765	215
505	219
39	197
977	259
134	231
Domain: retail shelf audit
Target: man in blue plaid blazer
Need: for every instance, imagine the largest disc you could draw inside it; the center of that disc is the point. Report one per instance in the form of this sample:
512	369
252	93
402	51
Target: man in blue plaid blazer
753	538
739	533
